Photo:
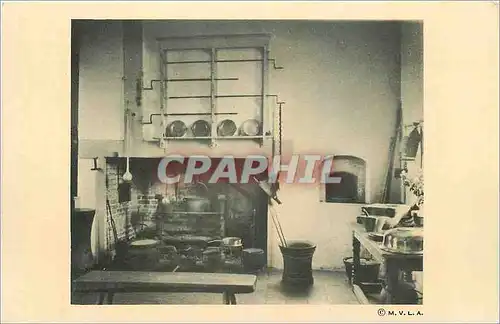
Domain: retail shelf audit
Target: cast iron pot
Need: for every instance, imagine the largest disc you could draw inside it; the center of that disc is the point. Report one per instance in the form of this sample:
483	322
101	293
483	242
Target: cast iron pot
368	270
197	204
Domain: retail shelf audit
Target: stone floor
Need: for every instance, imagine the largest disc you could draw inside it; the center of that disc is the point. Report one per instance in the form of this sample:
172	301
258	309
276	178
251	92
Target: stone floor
330	288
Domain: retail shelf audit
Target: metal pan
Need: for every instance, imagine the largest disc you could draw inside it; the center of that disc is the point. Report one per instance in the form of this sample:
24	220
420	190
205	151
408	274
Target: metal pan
250	127
227	127
232	241
177	128
201	128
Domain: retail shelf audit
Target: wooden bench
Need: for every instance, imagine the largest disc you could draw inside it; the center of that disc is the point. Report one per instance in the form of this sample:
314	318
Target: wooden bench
111	282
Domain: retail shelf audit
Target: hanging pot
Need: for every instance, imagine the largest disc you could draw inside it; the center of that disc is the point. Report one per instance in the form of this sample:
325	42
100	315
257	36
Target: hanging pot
201	128
197	204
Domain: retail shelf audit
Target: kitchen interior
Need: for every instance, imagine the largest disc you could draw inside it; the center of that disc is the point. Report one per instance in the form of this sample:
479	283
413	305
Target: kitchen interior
350	91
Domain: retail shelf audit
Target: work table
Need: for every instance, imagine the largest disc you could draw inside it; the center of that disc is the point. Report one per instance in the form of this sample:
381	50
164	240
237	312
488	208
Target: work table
394	263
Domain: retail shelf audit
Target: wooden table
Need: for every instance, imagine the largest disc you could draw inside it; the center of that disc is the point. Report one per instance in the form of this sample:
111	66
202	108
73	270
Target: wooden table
395	263
111	282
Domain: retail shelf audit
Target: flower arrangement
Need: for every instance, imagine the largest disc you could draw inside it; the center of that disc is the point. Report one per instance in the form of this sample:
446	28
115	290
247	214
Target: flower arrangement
415	184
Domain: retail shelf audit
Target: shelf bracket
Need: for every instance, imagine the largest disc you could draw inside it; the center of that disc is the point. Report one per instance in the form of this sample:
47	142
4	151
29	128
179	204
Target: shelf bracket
213	93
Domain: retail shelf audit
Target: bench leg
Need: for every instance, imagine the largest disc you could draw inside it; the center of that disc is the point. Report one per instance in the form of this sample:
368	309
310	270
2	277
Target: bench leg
108	296
102	295
229	298
225	298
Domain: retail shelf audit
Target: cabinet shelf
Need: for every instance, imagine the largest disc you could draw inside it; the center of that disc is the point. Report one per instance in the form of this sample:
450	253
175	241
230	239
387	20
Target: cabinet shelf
168	94
219	96
225	61
216	138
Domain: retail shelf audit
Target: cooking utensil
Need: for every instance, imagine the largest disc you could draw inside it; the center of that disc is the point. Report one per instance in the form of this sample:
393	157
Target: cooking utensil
268	189
253	259
195	201
226	127
212	257
147	243
377	237
233	245
143	255
232	242
250	127
177	128
201	128
368	269
388	210
370	223
127	176
392	149
277	224
197	204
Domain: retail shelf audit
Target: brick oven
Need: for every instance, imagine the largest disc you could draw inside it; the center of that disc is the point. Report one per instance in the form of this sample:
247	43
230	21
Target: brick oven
352	186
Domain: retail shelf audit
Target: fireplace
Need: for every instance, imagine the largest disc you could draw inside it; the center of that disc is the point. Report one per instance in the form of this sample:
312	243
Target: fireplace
138	208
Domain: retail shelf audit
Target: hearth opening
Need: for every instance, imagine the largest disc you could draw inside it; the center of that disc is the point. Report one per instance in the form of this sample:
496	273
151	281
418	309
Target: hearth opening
351	188
183	217
344	191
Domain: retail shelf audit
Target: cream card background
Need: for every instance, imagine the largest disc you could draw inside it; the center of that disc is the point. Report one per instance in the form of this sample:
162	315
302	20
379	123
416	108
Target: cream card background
461	116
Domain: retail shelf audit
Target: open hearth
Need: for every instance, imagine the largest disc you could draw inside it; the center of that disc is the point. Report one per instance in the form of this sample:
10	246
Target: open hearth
187	218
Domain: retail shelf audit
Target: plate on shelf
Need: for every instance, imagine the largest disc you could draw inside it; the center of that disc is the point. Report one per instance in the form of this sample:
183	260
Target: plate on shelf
176	128
250	127
226	127
201	128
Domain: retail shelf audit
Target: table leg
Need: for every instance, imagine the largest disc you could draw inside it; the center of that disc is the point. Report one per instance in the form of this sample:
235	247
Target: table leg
356	249
392	281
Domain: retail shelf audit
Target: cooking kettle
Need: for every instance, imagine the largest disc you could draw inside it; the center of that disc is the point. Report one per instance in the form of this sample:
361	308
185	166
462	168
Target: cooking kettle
196	202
